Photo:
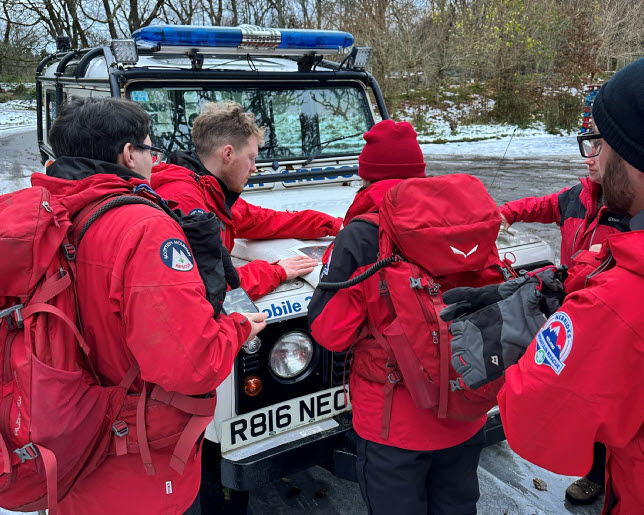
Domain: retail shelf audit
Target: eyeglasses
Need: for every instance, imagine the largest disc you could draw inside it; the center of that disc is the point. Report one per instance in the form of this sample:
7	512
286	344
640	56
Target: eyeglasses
590	145
156	152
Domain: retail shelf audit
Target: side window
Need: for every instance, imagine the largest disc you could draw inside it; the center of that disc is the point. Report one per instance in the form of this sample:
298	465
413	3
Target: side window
52	106
50	102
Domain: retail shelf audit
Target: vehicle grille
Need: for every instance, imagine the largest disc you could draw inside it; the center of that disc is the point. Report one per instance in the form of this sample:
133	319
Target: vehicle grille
250	363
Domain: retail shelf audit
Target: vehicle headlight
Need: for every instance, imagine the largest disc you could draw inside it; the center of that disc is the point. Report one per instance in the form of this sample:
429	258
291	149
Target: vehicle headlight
291	354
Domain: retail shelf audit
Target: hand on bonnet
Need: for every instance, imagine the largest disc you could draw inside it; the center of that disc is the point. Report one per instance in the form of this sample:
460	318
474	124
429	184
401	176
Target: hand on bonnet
297	266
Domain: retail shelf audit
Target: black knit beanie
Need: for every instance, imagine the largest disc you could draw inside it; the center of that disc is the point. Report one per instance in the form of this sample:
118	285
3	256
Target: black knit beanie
618	111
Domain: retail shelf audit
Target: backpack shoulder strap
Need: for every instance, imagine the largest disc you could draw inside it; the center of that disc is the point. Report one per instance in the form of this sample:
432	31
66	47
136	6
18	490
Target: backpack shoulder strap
372	217
92	212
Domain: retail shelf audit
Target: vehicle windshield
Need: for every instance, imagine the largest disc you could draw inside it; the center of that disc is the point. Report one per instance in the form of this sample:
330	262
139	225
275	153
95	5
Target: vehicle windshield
301	123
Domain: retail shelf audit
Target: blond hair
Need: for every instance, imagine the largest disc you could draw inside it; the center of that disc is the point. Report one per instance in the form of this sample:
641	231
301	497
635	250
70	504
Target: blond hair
224	123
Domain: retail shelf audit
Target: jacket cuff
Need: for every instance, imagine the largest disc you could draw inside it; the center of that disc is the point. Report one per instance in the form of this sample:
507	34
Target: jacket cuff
507	213
335	229
244	326
279	270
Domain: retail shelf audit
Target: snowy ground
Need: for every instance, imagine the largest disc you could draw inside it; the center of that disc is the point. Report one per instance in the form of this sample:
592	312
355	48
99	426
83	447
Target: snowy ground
17	116
522	144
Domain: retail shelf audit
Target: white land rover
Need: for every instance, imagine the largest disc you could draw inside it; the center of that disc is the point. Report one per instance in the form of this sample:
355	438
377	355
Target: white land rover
283	407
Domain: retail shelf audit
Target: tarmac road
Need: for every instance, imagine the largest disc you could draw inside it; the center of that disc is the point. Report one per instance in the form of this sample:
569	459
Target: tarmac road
506	480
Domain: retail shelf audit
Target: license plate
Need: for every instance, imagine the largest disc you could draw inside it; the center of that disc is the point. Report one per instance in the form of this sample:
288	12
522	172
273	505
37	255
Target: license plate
279	418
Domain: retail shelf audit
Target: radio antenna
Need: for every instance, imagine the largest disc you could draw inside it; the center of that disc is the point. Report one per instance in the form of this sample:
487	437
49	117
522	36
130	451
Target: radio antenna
501	162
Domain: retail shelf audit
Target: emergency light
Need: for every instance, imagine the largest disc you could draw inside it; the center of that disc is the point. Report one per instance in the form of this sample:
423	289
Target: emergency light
246	38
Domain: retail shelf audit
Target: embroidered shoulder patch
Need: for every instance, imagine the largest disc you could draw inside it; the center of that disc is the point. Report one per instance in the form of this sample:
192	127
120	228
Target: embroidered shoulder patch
176	254
197	211
554	342
325	268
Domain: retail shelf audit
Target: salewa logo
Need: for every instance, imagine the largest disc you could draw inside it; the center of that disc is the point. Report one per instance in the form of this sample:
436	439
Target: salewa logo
16	430
461	253
495	360
611	219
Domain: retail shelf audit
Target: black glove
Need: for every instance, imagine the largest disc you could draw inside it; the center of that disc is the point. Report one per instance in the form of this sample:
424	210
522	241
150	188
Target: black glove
491	339
215	266
462	301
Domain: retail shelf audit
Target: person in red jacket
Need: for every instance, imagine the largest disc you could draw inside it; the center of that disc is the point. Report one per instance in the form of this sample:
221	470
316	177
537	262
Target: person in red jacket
211	179
580	211
585	224
137	305
425	464
580	381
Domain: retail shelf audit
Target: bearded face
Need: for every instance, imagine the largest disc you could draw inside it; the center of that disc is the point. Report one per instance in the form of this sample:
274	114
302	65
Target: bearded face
619	194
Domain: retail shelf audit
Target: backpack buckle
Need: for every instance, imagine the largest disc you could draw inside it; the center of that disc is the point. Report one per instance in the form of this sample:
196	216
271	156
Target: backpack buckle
434	289
455	384
415	282
12	324
394	377
382	288
70	252
28	452
507	275
120	428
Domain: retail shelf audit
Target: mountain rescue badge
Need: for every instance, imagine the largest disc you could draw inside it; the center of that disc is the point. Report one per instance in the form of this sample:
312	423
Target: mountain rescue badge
176	254
554	342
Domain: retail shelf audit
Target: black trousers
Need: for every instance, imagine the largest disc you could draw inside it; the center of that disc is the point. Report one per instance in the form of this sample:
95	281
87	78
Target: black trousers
597	472
403	482
195	507
215	498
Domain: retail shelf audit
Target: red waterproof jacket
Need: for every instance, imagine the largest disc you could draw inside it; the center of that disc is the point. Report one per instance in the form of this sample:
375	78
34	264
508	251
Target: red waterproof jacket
335	317
135	305
559	400
575	209
190	185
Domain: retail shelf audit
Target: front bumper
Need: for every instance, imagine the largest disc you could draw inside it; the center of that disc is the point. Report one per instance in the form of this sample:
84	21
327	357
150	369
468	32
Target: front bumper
272	464
333	449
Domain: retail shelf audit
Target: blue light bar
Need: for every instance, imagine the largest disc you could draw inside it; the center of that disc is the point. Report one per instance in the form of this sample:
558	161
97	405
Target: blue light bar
320	39
189	35
244	37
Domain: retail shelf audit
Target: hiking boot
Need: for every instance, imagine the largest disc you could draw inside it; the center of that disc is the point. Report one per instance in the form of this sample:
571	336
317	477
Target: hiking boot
584	491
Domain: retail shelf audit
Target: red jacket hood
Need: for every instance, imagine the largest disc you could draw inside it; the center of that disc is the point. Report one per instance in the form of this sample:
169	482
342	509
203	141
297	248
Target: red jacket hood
165	173
628	249
369	199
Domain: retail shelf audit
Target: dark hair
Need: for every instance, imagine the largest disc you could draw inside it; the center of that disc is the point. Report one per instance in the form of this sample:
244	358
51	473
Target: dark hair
98	128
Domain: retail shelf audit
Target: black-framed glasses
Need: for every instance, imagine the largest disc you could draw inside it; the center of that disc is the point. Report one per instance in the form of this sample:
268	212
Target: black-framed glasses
156	152
590	145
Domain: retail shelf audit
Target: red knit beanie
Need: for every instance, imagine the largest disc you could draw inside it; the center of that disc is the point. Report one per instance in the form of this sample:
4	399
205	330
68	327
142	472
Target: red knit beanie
391	152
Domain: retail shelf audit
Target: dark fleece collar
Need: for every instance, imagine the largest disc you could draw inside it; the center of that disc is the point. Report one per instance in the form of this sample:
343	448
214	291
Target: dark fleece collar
77	168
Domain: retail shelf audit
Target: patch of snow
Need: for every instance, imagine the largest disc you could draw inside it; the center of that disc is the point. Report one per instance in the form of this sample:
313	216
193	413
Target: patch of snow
524	144
17	116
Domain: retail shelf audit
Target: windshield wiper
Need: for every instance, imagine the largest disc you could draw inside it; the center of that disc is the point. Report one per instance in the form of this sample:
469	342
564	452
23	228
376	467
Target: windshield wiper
323	144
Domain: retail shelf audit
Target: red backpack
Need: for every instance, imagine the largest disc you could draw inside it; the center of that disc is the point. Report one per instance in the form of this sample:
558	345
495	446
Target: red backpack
435	234
57	422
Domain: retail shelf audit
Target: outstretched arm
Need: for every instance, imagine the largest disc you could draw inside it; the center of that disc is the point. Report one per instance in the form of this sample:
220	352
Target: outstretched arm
256	223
